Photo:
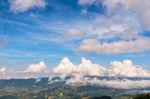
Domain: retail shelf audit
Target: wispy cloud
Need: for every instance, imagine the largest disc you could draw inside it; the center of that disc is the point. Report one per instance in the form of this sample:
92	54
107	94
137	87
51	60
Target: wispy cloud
74	32
3	40
139	7
123	20
17	6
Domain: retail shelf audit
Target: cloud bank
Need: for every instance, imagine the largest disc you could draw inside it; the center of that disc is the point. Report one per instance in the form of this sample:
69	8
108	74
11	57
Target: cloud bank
125	69
114	83
120	75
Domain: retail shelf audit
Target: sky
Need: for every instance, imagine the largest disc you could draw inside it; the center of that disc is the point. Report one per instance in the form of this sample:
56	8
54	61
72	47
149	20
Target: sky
44	32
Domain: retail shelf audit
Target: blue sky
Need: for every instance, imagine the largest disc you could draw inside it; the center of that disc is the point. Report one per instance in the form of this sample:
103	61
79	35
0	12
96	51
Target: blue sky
48	30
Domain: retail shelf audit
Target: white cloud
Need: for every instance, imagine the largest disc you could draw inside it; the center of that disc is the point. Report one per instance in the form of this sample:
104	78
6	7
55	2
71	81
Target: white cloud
5	73
124	20
38	80
116	83
117	47
140	7
125	69
118	69
123	25
86	67
23	5
74	32
65	67
84	2
121	29
2	70
32	71
37	68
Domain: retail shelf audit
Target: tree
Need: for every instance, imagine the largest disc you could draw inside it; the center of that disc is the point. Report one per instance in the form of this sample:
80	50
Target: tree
142	96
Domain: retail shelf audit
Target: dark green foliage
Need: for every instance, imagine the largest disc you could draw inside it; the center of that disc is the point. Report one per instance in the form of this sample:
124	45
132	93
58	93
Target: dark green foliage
142	96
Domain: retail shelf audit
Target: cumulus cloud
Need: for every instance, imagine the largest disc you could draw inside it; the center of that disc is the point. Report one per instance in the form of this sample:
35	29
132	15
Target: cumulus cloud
32	71
37	68
125	69
86	67
114	47
114	83
65	67
23	5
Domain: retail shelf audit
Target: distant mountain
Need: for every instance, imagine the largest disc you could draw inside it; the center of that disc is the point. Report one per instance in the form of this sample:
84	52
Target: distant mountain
54	81
58	88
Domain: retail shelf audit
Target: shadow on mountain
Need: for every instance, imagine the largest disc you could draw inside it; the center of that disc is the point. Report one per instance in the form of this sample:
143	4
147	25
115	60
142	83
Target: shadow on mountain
102	97
9	97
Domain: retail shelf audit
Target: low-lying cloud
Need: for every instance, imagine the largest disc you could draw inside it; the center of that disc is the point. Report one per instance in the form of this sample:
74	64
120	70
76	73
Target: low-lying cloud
114	83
